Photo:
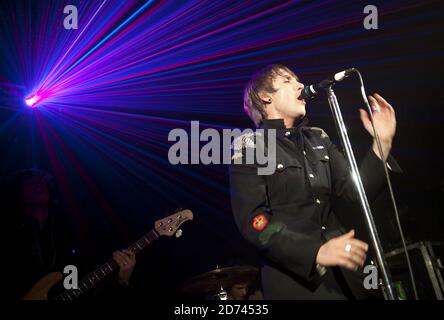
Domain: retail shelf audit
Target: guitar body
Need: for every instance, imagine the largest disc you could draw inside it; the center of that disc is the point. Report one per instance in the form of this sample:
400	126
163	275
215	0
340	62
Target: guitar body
42	287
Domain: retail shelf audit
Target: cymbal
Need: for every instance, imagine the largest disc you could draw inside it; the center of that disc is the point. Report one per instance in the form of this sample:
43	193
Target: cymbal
226	277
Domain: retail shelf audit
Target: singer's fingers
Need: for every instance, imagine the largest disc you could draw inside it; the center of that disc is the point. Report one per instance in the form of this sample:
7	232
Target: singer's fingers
358	244
364	117
380	99
374	104
363	113
384	102
366	121
349	234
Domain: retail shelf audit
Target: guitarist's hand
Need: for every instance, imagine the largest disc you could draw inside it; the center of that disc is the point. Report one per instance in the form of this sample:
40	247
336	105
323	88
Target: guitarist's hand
127	261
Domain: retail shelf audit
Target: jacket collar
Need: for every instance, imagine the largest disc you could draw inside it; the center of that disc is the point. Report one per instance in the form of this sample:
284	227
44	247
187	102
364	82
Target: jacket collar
279	124
314	152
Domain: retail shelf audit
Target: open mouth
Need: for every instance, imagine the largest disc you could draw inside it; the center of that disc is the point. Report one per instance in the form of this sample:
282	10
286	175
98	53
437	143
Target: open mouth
300	98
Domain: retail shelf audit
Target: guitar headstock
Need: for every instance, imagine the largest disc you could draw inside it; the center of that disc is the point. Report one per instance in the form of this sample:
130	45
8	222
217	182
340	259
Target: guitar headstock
170	225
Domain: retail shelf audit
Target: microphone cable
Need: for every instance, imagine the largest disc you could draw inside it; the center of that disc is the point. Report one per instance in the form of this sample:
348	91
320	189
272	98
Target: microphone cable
392	196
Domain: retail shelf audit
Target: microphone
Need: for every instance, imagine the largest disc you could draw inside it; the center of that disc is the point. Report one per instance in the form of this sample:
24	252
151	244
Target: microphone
311	91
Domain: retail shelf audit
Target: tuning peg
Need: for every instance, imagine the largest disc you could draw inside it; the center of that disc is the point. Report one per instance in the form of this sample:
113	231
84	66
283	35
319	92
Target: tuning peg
179	233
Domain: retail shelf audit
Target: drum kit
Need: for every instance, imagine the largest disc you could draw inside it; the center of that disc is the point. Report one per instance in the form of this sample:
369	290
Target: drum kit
215	284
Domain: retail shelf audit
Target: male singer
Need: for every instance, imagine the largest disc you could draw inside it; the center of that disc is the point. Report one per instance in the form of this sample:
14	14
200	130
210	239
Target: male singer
288	215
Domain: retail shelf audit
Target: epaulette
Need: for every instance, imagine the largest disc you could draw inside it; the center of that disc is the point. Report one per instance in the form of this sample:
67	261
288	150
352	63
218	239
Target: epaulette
244	141
321	132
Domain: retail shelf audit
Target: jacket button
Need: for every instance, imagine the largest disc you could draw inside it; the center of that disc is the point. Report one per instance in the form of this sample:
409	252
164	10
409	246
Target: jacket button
323	228
326	157
311	175
280	166
318	201
287	133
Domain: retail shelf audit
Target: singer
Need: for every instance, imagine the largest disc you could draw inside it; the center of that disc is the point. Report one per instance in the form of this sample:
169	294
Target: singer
289	215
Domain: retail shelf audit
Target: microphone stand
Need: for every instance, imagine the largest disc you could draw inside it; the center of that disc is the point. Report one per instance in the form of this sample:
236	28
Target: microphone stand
340	126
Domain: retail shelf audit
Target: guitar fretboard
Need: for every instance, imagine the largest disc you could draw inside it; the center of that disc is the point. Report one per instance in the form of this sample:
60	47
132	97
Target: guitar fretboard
105	269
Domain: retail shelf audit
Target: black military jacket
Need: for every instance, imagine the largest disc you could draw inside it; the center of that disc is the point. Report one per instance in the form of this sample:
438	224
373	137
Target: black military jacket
288	215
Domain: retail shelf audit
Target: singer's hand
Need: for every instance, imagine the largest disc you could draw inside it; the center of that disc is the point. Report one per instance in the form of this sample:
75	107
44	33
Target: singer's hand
385	123
344	251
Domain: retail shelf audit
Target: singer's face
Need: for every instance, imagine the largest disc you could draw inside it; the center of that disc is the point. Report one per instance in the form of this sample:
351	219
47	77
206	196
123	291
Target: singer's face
285	99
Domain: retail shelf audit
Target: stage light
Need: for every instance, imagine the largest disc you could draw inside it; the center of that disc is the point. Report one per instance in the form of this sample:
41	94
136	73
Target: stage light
32	100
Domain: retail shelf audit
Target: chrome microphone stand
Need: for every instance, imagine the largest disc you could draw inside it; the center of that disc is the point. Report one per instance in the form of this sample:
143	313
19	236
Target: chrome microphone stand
340	126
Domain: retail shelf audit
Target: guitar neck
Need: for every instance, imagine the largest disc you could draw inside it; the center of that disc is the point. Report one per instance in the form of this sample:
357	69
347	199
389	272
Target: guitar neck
105	269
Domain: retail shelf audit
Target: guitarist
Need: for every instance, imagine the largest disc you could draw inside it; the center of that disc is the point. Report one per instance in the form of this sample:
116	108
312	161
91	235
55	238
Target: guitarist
37	239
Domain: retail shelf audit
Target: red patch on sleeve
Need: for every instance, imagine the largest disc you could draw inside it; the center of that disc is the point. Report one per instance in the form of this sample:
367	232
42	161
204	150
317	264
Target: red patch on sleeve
260	222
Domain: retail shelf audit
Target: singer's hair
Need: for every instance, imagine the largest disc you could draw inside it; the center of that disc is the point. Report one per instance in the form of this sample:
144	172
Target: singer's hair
262	81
